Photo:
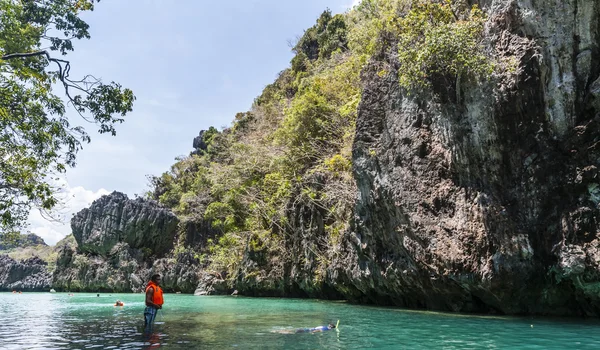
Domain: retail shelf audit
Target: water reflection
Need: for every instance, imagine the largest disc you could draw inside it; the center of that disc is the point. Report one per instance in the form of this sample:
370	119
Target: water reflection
151	338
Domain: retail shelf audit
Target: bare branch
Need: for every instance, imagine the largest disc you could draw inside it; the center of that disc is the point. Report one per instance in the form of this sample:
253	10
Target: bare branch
64	69
25	55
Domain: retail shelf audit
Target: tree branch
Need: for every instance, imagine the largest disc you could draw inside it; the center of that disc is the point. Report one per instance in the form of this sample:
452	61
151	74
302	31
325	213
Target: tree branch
63	76
24	55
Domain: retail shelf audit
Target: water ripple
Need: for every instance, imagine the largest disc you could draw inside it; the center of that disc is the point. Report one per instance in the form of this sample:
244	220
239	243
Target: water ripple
84	321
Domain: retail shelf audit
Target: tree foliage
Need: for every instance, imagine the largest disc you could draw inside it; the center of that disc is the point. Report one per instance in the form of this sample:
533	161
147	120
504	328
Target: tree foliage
325	37
439	40
290	156
16	240
37	139
370	19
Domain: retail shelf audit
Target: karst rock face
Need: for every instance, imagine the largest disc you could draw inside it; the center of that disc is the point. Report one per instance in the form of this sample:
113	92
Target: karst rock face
29	275
120	243
199	145
486	199
114	218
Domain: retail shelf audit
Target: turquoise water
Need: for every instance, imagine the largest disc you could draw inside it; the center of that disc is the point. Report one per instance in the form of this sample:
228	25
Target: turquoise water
84	321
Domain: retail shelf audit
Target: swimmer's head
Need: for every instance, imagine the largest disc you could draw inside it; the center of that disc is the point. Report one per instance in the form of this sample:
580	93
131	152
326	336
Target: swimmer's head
331	326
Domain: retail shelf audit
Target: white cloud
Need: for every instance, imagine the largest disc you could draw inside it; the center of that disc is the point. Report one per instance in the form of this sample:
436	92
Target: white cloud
72	200
49	234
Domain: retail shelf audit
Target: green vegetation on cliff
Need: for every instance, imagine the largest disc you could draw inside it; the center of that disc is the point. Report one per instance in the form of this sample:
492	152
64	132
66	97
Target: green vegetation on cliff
282	173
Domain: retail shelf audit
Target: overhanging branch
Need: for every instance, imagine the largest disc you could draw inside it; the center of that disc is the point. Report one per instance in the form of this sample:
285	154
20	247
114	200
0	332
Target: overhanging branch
64	68
25	55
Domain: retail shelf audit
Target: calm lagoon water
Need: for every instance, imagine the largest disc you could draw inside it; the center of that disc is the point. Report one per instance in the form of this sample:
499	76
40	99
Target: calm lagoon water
84	321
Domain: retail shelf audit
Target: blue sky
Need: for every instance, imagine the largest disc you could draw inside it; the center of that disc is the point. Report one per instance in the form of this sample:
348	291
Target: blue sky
191	64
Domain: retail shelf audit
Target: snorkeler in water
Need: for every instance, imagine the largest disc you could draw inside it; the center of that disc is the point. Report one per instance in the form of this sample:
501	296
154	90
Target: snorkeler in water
316	329
307	330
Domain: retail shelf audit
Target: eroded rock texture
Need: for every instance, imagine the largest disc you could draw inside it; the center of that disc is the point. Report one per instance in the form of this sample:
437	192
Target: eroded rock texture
485	197
120	244
115	218
29	275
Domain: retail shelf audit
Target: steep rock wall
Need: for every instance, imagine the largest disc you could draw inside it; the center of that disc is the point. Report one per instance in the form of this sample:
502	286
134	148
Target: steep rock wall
30	275
487	201
125	270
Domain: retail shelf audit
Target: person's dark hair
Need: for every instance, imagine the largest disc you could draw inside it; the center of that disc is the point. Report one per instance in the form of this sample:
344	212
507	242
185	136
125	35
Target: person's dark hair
154	277
331	325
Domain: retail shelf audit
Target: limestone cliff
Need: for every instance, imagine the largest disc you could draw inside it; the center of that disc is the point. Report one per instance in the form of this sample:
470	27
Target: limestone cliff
23	241
120	243
477	195
30	275
115	219
486	202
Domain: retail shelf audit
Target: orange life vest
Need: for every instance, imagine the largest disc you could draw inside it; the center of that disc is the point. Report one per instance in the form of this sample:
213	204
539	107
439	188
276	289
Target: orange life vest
158	293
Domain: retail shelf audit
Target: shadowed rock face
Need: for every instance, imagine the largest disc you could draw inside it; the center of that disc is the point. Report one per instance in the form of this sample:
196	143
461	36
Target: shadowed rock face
486	199
30	275
199	144
210	284
125	270
480	197
114	218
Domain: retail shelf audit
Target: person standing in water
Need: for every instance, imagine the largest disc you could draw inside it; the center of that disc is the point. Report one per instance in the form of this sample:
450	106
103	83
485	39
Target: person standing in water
154	300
